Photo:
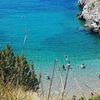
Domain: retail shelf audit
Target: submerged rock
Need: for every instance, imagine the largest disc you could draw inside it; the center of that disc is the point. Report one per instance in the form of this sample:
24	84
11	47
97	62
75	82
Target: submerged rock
90	14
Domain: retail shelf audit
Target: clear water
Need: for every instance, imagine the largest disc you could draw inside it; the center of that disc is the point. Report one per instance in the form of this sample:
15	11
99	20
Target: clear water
53	31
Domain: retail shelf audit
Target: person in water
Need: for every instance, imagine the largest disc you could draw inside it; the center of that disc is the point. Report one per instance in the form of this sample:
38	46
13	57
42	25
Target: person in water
48	78
67	59
63	67
82	66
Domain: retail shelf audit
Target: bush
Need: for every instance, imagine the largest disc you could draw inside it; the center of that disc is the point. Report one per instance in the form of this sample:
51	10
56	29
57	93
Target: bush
16	70
95	98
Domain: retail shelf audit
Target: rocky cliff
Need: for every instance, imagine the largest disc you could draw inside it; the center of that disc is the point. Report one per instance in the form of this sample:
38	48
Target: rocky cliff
90	14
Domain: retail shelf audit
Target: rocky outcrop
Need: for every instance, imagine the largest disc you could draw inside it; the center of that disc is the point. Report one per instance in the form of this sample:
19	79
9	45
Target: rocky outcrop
90	14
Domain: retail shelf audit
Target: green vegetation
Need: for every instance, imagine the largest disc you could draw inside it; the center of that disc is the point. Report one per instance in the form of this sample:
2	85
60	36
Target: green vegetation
95	98
92	5
16	71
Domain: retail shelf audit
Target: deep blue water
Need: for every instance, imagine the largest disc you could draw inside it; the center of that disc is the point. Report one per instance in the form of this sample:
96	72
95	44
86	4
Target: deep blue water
53	31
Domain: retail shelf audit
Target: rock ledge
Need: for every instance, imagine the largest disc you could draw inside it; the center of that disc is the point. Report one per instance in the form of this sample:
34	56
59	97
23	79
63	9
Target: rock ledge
90	14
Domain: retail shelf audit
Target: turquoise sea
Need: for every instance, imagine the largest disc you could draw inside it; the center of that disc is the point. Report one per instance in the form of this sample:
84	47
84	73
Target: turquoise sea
53	31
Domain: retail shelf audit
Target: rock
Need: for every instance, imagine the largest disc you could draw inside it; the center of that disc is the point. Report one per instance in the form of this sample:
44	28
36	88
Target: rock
90	14
81	3
80	16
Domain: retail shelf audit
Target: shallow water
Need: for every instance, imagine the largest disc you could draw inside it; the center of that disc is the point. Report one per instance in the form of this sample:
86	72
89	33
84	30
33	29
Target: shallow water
53	31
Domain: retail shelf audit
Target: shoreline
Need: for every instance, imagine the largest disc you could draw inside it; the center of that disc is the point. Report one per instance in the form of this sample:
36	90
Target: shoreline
90	13
91	81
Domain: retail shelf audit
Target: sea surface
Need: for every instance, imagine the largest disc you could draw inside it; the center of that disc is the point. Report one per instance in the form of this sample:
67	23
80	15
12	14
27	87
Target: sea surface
53	31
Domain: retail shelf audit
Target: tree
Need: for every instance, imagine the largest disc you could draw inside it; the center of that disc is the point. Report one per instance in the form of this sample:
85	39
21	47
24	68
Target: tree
17	70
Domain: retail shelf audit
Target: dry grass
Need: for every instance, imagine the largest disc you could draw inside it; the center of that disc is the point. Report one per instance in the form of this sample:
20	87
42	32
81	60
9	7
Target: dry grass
8	93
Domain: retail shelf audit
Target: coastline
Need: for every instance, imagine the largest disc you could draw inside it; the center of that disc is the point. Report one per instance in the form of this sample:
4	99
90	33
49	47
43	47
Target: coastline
90	13
76	81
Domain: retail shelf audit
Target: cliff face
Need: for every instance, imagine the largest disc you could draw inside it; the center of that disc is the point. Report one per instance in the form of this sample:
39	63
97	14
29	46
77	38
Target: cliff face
90	13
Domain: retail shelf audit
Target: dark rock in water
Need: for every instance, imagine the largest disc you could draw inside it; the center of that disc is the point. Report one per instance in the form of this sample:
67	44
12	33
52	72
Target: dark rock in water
81	5
80	16
95	30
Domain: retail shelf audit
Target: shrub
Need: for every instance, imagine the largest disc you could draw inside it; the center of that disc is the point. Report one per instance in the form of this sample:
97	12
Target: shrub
95	98
16	70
